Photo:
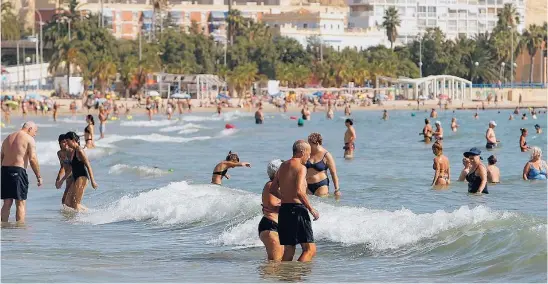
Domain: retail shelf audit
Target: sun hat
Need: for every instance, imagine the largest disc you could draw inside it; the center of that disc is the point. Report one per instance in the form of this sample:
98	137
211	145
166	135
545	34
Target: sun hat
492	122
472	152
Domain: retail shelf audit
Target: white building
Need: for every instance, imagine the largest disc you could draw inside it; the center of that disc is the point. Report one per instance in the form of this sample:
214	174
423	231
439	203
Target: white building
328	25
453	17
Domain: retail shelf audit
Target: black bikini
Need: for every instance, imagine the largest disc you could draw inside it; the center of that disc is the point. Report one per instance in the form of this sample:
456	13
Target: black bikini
474	183
78	168
320	166
86	130
222	174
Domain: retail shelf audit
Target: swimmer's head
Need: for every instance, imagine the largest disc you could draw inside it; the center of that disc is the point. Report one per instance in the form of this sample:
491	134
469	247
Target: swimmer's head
62	141
466	162
523	131
301	149
349	121
73	140
537	126
426	121
492	123
315	138
438	123
90	119
30	127
273	167
492	160
61	138
437	148
232	157
536	153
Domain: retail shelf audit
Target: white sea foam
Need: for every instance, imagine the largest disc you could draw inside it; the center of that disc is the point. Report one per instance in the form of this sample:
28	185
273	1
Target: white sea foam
225	116
74	120
147	123
142	171
47	152
188	131
228	132
187	126
154	137
45	125
178	203
379	229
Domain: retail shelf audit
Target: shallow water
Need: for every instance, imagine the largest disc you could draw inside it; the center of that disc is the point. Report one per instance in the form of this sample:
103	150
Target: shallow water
147	223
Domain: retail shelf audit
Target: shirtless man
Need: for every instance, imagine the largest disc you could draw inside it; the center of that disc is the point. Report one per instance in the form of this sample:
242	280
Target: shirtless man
259	117
294	226
385	115
490	136
103	115
18	150
349	139
7	112
305	113
433	113
329	110
427	131
347	111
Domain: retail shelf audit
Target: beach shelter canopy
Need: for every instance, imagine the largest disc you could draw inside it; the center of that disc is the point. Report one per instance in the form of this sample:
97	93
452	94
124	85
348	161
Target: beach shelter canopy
153	94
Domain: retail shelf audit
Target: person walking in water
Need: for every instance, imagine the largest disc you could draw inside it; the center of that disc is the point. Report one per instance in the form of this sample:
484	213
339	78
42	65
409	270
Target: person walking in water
330	113
438	134
294	225
89	131
259	116
305	113
433	113
493	172
221	169
65	170
490	136
347	110
522	142
385	115
349	139
81	173
535	168
103	116
18	150
477	177
427	131
538	129
442	168
316	175
268	226
454	125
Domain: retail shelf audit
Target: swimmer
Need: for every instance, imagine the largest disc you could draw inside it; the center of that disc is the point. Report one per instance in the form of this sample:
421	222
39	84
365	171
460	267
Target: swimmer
465	170
538	129
524	116
330	113
55	110
189	103
219	108
65	170
259	116
385	115
535	168
81	172
476	115
268	226
490	136
522	142
454	125
221	169
442	176
438	134
493	172
511	117
349	139
477	177
320	161
427	131
7	113
72	108
433	113
305	113
516	111
103	116
294	225
148	107
347	110
89	131
169	110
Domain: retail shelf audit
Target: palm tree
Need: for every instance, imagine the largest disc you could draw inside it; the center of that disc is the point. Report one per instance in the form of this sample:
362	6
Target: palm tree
103	71
391	22
67	55
235	22
242	77
158	6
533	38
509	16
11	27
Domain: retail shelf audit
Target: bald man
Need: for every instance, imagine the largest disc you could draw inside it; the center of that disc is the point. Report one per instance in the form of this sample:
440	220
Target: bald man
18	149
289	184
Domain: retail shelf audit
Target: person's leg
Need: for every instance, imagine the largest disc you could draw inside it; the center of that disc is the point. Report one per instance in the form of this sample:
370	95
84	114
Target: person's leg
20	211
6	207
271	242
289	252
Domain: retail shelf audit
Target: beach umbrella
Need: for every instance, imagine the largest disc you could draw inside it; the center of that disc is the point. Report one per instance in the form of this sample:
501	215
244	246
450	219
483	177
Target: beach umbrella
11	103
180	96
34	97
101	100
153	94
278	95
223	96
443	97
317	94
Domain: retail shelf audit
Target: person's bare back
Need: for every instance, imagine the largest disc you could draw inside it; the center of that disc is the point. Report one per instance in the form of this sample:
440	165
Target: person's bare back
17	149
294	180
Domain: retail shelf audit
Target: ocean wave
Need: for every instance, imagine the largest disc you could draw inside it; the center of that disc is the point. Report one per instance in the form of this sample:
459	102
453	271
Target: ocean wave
188	131
47	152
228	132
148	123
154	137
72	120
178	203
142	171
225	116
45	125
188	126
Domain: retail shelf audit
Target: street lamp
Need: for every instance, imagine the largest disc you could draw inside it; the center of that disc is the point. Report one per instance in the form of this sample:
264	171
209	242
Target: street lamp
512	60
420	54
27	61
475	70
502	71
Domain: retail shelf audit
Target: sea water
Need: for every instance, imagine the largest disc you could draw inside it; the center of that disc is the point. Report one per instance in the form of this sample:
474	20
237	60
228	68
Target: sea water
156	218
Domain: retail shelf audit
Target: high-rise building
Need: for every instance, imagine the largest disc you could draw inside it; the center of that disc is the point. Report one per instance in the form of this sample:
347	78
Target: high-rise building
453	17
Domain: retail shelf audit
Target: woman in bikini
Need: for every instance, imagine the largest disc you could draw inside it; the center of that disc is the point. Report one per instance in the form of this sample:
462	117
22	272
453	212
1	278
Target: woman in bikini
81	172
442	176
221	169
89	131
522	142
318	164
268	226
65	170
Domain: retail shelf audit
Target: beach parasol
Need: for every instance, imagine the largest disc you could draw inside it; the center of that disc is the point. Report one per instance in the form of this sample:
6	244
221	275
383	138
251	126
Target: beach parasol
180	96
223	96
11	103
34	97
153	94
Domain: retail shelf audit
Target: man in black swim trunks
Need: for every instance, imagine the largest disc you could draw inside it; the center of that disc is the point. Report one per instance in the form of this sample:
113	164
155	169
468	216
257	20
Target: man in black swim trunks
18	149
294	226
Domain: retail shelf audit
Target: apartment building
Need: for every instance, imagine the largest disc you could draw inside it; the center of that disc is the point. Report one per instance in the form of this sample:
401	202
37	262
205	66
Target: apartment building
453	17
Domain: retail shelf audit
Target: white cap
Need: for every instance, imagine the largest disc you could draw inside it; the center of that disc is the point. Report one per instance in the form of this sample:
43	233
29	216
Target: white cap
273	167
438	122
492	122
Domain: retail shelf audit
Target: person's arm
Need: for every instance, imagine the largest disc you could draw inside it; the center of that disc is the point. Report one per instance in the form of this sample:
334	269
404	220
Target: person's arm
237	164
58	180
482	171
33	159
2	151
353	136
275	187
526	171
301	192
333	170
448	172
85	160
437	171
463	174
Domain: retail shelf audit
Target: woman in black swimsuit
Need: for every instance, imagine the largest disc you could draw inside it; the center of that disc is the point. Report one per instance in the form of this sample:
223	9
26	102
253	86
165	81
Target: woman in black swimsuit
268	226
522	142
477	177
81	170
65	170
221	169
316	174
89	131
